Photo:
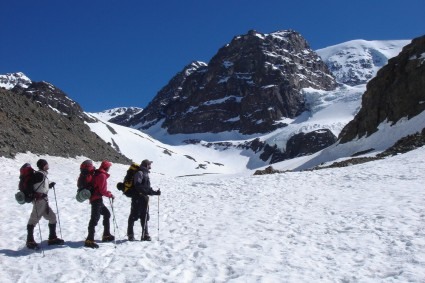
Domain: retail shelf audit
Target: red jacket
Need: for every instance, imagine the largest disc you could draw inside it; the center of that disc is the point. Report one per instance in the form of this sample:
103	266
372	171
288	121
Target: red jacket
100	185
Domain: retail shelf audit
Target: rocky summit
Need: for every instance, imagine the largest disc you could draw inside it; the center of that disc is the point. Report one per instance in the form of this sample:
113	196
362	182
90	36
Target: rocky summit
249	86
396	92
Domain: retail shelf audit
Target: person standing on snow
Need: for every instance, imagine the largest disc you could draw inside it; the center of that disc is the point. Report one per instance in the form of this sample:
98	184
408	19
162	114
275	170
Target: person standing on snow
140	201
41	207
100	189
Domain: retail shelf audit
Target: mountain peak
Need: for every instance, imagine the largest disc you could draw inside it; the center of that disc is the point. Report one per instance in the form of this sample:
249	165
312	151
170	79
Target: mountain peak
10	80
247	87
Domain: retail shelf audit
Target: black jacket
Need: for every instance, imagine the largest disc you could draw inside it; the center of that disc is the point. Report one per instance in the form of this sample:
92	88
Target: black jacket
142	183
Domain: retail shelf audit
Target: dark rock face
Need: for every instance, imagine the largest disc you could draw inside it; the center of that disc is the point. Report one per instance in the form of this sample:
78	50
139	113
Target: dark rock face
309	143
248	86
30	125
48	94
298	145
397	91
157	108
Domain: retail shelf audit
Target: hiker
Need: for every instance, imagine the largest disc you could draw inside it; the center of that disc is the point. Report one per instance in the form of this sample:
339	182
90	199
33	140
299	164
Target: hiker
140	201
100	189
41	206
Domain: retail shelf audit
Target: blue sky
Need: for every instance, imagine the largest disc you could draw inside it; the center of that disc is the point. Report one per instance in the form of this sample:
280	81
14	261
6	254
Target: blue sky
107	54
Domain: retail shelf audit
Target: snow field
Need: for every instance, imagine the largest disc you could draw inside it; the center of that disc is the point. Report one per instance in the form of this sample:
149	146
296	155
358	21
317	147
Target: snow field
364	223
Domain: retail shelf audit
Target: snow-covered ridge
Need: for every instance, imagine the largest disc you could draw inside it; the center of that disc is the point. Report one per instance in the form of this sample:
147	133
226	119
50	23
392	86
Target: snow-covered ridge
10	80
357	61
107	115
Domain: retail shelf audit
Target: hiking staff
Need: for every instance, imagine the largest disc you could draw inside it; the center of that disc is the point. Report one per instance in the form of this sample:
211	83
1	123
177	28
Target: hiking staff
114	220
39	231
158	218
57	210
145	223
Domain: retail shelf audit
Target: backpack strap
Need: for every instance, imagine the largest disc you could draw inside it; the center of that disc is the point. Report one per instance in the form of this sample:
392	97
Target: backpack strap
42	181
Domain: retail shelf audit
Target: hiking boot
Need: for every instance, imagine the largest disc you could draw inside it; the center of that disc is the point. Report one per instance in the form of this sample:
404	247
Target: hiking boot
32	245
146	238
91	244
131	238
55	241
107	238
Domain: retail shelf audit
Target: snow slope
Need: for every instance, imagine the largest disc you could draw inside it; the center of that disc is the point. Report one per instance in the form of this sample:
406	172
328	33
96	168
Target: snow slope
357	61
362	223
170	160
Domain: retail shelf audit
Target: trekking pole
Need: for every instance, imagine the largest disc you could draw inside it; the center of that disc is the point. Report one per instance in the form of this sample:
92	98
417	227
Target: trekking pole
57	210
39	228
158	218
146	222
115	222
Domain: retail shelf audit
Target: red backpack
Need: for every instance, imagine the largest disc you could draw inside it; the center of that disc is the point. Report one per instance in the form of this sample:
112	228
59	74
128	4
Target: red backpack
26	184
85	181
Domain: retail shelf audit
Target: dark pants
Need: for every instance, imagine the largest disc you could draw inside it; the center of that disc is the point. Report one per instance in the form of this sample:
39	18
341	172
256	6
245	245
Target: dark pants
139	210
97	209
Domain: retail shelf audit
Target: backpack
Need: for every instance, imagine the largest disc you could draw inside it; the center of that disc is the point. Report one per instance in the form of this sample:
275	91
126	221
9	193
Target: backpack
127	186
84	183
26	184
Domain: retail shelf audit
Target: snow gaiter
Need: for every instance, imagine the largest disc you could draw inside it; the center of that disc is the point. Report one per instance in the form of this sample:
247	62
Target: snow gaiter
130	230
106	226
30	235
52	231
90	236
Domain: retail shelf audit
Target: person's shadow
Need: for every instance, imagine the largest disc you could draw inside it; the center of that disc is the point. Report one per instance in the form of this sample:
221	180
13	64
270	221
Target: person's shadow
24	251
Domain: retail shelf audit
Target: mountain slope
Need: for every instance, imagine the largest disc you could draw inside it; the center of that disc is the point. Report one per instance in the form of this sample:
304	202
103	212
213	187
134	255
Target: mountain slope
170	160
27	125
44	93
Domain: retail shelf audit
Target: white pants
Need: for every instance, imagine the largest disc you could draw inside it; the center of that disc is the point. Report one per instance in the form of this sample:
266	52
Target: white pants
40	209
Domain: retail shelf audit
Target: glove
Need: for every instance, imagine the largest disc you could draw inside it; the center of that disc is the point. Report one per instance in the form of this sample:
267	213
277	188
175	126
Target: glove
158	192
51	185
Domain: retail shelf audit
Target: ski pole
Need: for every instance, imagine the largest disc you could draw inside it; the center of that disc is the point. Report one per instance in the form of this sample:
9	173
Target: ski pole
146	222
57	210
158	218
113	219
39	228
